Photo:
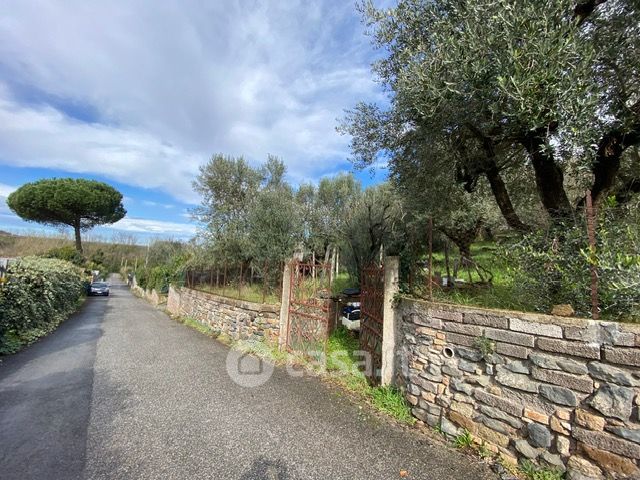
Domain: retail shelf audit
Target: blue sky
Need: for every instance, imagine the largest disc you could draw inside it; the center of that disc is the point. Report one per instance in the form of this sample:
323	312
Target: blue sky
139	94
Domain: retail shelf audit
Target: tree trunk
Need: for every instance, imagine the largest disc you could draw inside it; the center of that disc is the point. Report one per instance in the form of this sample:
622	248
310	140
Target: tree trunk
610	149
498	187
501	194
76	228
549	176
463	238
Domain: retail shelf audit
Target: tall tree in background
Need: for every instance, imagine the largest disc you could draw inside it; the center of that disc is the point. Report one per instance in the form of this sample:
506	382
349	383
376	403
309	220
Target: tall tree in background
227	185
373	224
76	202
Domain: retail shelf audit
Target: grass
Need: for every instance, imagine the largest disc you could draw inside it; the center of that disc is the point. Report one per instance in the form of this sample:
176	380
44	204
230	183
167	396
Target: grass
342	364
464	440
497	294
341	282
533	472
200	327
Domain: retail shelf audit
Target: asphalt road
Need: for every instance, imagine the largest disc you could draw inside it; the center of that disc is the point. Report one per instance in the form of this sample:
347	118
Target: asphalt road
121	391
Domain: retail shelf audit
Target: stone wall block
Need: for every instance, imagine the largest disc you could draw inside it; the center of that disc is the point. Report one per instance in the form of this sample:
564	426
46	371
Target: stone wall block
539	435
425	320
515	380
458	339
578	349
496	425
500	415
553	362
465	329
613	401
486	320
607	442
452	316
581	383
622	356
506	336
559	395
611	462
510	350
499	402
611	374
538	329
588	420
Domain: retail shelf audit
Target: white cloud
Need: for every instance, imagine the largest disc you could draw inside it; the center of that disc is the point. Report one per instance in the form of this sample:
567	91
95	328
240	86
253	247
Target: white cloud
141	225
150	203
176	81
5	191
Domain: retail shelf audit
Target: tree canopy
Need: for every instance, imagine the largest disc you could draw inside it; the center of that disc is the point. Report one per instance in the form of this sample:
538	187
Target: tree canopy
512	86
76	202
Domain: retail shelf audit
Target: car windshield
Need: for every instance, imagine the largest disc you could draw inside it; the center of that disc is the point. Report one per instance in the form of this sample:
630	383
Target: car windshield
99	285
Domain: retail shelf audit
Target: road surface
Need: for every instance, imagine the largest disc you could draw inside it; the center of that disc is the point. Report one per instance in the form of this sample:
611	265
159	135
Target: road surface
121	391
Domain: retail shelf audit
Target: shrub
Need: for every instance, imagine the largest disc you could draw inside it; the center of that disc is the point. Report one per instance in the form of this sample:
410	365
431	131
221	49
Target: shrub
68	253
553	266
39	294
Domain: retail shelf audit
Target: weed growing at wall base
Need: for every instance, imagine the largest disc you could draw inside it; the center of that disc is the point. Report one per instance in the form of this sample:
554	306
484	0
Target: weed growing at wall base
533	472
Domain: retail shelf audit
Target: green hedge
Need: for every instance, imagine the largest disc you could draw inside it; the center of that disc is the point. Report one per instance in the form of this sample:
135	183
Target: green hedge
39	294
158	278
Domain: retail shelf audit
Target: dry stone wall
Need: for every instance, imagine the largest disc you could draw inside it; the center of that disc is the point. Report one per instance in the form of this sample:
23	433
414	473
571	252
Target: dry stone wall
235	318
560	392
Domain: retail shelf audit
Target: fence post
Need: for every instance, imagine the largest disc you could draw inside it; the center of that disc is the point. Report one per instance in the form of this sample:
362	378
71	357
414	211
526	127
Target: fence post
284	307
391	288
591	234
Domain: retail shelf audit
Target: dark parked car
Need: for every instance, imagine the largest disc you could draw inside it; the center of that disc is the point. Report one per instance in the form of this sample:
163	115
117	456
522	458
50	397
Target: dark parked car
99	288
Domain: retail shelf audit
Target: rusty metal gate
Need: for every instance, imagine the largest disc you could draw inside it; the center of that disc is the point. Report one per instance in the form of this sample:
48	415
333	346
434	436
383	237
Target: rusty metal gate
309	308
371	318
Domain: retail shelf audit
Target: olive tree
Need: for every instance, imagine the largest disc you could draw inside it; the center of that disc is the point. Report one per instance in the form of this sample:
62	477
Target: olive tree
506	77
76	202
227	185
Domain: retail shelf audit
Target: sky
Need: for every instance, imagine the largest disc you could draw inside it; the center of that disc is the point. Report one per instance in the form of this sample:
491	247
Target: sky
139	94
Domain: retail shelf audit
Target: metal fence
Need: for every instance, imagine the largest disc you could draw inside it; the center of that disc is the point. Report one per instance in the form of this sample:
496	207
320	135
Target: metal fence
443	273
245	281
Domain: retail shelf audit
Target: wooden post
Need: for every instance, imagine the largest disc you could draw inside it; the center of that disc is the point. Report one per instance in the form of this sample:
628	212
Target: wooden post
430	259
591	234
264	281
446	262
240	283
224	279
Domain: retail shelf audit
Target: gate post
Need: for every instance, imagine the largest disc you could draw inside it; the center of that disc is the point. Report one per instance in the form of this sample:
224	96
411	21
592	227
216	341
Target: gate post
284	307
391	288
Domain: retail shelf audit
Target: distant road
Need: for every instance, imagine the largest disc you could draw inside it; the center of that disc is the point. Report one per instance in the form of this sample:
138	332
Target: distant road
121	391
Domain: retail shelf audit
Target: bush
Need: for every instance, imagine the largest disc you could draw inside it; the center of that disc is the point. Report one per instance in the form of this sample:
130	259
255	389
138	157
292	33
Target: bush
553	267
68	253
39	294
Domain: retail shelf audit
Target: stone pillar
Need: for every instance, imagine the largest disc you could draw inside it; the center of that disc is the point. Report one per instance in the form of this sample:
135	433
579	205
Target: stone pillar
284	307
389	327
